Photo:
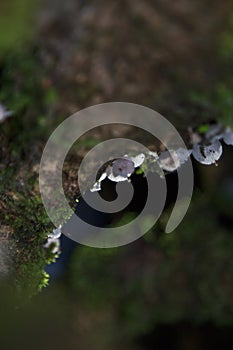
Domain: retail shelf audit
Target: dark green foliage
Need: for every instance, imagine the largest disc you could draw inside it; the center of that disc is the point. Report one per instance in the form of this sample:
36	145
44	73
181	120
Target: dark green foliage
16	22
219	98
22	138
182	276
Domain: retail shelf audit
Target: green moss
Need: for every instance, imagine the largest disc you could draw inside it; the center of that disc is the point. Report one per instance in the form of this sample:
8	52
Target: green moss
203	128
16	22
29	224
89	262
22	140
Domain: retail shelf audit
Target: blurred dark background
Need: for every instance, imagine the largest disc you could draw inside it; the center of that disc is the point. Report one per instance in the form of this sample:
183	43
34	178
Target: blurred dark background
163	291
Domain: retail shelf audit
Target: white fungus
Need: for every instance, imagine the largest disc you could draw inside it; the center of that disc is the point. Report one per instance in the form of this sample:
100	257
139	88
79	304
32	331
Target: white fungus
207	154
228	137
56	244
97	186
172	160
56	233
4	113
53	239
120	170
138	160
154	155
214	133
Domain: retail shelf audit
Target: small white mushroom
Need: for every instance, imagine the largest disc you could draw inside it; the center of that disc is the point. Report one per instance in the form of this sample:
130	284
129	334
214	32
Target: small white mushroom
228	137
168	161
183	154
207	154
97	186
56	233
172	160
138	160
4	113
121	169
55	242
214	133
53	239
154	155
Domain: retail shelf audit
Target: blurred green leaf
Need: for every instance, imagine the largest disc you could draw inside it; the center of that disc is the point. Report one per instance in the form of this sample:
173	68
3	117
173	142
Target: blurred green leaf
16	22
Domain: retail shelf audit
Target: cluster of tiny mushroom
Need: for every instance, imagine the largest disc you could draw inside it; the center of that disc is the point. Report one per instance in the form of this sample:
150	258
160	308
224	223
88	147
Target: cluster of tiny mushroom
205	148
